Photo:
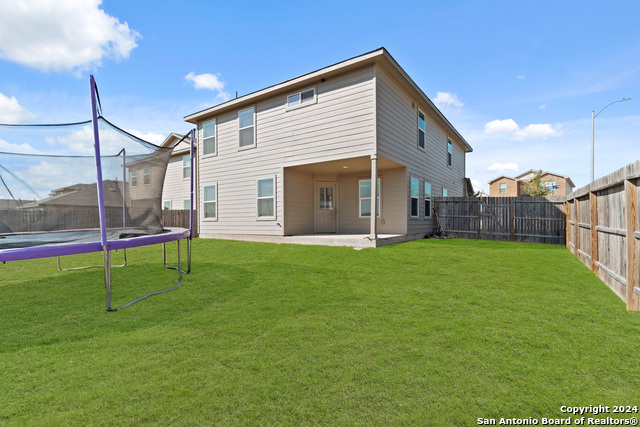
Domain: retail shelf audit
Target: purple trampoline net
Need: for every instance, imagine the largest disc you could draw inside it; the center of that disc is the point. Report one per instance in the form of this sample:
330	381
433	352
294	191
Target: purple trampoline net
57	191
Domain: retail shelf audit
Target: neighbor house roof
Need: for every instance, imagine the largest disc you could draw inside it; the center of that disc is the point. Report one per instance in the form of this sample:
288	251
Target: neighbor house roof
530	171
501	177
380	57
174	140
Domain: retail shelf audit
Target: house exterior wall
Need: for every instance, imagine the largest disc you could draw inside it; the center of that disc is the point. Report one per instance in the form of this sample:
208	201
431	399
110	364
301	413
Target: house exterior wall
513	188
339	125
565	188
176	189
397	130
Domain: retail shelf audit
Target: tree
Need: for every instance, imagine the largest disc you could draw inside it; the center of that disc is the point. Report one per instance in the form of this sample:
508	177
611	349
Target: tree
534	187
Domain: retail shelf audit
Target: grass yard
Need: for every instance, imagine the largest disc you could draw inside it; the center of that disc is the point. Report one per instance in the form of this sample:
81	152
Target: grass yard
431	332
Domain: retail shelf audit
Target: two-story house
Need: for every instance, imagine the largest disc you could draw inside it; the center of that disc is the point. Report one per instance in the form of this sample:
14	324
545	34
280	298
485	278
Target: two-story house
355	148
504	186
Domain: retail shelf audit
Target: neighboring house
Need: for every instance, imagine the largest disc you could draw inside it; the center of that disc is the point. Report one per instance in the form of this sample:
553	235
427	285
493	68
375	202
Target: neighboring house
503	186
176	193
298	158
80	196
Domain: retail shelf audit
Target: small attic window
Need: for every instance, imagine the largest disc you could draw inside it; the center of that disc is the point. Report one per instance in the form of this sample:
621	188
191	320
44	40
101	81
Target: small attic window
304	97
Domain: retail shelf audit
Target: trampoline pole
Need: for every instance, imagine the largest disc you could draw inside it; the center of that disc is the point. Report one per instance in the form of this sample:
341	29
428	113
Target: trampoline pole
96	145
107	276
193	131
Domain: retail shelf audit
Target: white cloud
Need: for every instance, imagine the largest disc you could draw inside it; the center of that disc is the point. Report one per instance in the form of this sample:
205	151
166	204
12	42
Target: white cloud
542	131
543	107
503	167
522	76
12	112
211	82
55	35
154	138
500	126
445	99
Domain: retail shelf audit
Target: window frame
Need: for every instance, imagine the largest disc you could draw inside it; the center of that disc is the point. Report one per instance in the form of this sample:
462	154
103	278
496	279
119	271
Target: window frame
424	131
146	175
164	205
186	203
427	213
300	103
186	158
258	198
417	197
133	176
449	152
500	188
378	198
205	201
253	125
445	192
214	137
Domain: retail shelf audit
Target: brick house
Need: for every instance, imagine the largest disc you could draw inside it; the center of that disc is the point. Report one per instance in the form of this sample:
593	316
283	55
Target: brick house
504	186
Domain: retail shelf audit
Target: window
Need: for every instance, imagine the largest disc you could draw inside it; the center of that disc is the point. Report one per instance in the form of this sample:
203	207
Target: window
186	166
166	205
266	200
365	198
246	120
421	129
210	201
326	198
305	97
503	188
414	197
444	192
186	204
134	177
548	184
427	200
146	176
449	152
209	137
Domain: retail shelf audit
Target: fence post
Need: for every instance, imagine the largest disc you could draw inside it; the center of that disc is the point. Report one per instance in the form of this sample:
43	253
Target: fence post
567	226
479	218
576	227
512	220
631	196
593	211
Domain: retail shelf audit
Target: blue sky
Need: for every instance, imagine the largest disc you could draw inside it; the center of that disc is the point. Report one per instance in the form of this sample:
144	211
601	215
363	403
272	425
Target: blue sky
517	79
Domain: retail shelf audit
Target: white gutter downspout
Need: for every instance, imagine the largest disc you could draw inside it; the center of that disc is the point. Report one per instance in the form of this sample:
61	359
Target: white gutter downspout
374	164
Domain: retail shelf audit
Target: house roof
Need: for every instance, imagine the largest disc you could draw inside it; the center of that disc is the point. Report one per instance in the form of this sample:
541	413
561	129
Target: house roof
174	140
380	56
501	177
82	195
519	177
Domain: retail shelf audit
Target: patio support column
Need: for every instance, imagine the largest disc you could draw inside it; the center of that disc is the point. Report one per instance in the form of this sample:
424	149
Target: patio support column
374	200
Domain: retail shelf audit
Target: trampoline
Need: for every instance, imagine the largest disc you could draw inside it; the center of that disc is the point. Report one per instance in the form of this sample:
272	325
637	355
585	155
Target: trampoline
54	205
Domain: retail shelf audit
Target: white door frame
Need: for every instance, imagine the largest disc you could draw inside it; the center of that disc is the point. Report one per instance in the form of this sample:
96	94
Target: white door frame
316	203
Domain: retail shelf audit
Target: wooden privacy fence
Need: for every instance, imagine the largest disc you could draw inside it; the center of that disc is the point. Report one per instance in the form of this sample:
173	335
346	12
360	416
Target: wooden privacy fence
603	229
516	219
179	218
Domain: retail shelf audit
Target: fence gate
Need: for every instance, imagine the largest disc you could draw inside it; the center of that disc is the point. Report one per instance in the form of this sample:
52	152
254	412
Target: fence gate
516	219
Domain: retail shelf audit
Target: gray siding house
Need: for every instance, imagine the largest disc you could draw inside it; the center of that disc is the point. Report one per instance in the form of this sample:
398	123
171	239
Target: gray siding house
299	160
176	192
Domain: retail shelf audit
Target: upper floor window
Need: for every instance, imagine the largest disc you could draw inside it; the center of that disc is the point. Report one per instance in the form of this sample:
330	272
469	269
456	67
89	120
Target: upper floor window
421	129
449	152
414	197
186	166
503	187
134	177
147	174
209	137
246	128
304	97
186	204
445	193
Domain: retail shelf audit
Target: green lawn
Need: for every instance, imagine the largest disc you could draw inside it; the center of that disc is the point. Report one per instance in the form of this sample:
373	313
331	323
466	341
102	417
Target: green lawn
431	332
